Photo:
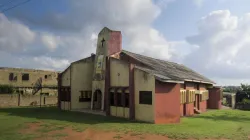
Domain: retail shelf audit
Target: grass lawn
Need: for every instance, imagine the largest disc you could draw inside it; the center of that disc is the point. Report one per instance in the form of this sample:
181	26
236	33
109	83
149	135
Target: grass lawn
230	124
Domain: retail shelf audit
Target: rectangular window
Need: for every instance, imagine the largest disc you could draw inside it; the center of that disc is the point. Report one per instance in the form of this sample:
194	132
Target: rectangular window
12	77
65	94
85	96
48	77
145	97
112	100
25	77
127	100
119	99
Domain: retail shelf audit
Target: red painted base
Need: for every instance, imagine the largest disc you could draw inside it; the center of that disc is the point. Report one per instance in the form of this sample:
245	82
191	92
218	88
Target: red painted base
189	109
182	110
203	106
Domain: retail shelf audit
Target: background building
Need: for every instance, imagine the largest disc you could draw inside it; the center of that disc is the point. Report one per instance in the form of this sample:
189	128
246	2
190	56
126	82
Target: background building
26	81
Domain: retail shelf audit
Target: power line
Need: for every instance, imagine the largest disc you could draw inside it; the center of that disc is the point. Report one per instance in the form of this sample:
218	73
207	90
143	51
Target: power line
7	9
6	3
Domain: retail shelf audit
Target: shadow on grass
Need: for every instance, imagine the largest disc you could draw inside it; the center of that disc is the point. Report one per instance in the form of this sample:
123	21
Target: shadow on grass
52	113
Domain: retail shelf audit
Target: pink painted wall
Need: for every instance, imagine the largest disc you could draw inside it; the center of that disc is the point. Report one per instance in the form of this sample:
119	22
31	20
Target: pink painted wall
189	111
203	106
167	103
214	101
182	109
115	42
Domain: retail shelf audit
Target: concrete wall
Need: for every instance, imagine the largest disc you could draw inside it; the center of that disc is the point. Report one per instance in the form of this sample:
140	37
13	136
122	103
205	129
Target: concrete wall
167	102
34	75
119	73
119	77
144	82
7	100
81	80
66	77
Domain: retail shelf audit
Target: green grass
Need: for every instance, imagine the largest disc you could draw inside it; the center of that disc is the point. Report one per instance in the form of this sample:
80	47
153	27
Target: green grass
233	124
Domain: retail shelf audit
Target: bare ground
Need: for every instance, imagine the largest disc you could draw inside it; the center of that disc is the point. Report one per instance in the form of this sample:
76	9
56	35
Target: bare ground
69	133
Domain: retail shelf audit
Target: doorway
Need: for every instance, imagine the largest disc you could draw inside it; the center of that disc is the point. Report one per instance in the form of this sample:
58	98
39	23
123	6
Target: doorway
197	101
97	104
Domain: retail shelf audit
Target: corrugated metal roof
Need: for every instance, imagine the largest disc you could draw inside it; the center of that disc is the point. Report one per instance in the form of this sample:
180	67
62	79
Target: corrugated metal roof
168	70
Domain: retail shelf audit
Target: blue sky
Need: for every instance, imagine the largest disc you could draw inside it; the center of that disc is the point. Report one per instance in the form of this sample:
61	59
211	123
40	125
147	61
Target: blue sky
180	17
209	36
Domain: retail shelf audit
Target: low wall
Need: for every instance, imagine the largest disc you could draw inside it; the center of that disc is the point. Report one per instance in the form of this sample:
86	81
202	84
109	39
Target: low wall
243	106
14	100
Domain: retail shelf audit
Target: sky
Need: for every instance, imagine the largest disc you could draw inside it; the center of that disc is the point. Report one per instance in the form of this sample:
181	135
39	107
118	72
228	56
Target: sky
211	37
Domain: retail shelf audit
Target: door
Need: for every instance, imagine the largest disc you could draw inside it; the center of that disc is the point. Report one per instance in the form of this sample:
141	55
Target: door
197	101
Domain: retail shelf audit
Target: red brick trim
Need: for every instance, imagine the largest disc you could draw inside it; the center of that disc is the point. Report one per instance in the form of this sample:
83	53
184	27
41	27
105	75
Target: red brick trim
131	92
107	86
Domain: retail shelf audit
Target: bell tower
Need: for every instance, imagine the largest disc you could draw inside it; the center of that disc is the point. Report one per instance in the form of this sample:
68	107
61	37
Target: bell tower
109	42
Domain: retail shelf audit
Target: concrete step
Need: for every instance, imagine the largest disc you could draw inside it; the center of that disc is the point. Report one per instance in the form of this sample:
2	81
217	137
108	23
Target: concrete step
197	111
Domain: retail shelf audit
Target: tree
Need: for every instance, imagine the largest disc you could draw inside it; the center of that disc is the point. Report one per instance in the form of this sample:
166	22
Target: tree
245	87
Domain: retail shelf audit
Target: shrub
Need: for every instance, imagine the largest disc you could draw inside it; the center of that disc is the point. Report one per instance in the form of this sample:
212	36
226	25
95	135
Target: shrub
246	101
6	89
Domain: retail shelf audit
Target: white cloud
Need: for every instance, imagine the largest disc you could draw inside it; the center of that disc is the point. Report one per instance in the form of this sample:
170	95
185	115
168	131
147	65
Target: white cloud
48	62
14	36
224	43
23	47
50	41
76	31
41	62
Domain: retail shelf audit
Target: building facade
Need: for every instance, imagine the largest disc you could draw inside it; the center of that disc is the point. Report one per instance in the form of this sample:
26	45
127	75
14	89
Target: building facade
24	80
124	84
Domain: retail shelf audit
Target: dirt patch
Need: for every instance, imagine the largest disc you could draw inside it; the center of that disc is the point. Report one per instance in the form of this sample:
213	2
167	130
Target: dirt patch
30	128
69	133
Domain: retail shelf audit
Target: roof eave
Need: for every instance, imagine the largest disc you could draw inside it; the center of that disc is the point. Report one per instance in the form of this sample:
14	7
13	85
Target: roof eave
197	81
170	81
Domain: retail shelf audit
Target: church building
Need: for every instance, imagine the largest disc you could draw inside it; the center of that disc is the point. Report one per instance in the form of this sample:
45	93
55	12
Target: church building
116	82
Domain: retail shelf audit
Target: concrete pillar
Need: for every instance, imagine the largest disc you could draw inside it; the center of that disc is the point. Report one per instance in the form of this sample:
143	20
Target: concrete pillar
103	99
92	100
182	110
214	101
233	101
